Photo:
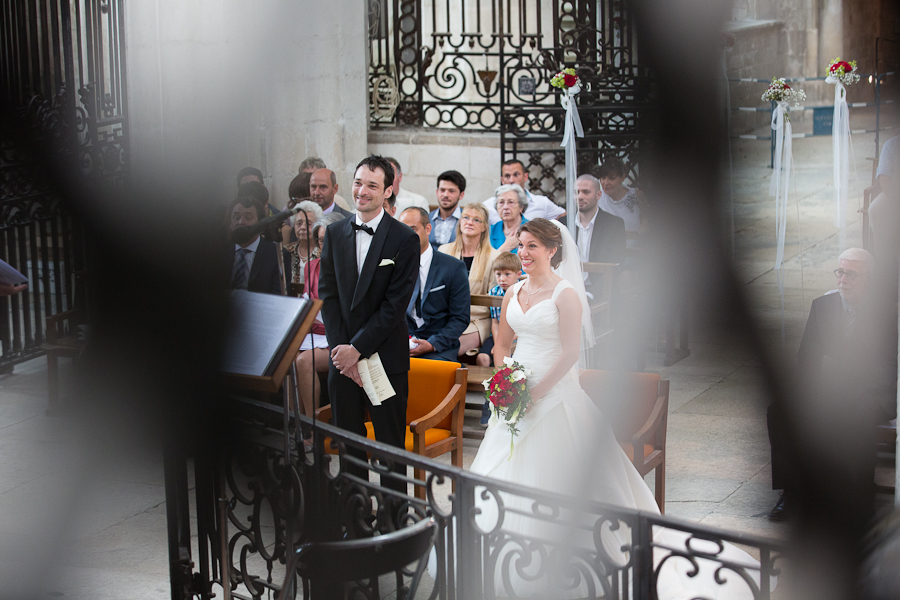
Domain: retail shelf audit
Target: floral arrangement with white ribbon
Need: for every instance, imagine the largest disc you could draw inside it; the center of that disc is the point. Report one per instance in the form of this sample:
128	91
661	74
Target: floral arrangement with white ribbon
841	73
570	84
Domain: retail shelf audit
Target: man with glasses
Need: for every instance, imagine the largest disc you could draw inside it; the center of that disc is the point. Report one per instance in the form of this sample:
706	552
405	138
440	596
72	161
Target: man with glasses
840	365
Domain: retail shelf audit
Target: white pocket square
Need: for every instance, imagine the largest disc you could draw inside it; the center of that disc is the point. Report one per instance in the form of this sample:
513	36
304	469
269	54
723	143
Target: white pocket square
386	262
440	287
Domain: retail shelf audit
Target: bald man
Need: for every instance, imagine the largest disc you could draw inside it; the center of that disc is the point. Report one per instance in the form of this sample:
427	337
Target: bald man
322	189
846	383
311	165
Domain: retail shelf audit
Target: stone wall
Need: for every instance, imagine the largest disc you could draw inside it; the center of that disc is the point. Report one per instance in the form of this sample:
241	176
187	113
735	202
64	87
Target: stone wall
424	154
223	84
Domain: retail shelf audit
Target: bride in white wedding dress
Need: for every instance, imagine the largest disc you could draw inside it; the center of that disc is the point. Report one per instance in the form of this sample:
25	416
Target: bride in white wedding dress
564	444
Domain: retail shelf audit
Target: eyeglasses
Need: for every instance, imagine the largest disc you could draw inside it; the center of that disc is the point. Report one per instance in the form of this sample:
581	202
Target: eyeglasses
851	275
473	219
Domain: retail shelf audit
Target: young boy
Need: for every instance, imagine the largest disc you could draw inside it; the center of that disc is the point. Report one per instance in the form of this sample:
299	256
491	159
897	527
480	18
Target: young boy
507	268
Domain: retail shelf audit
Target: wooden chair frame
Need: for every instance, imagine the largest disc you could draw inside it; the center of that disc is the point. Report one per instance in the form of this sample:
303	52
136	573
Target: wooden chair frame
651	433
452	404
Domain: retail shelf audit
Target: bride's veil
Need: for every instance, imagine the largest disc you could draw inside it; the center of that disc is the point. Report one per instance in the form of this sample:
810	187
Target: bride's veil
570	270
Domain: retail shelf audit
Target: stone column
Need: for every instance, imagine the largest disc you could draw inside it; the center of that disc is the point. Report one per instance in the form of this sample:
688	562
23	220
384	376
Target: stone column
831	33
217	85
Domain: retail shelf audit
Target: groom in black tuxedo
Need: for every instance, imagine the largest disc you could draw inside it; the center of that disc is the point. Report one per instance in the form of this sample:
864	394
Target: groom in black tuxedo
369	268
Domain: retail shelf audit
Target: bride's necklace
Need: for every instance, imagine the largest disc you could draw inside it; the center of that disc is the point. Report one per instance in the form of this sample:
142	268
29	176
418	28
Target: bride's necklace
529	292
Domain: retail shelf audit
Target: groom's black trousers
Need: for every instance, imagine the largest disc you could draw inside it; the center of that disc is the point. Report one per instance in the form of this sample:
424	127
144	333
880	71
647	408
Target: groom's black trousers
348	407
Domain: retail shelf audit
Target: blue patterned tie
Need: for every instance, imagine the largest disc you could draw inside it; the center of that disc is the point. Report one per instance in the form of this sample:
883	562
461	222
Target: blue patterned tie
240	271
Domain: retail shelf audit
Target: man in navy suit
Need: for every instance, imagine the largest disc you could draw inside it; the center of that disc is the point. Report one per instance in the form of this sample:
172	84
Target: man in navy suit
438	310
369	265
254	265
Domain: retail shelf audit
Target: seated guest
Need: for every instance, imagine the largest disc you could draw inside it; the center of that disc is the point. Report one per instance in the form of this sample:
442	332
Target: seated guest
314	163
848	375
600	235
390	204
257	190
405	198
254	264
506	268
298	190
514	172
622	201
472	246
438	311
250	174
305	248
511	203
314	348
323	190
312	358
451	188
318	230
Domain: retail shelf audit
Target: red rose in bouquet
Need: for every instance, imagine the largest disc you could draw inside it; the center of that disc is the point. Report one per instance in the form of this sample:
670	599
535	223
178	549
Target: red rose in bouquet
570	80
508	392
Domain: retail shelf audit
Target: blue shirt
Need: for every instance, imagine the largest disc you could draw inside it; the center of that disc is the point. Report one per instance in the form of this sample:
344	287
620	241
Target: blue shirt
496	291
497	237
443	231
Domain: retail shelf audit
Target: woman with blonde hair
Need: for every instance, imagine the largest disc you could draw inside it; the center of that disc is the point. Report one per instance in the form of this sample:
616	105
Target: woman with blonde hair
473	246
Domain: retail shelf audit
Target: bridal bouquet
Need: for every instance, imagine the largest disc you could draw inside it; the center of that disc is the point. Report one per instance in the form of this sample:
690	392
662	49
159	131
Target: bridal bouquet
508	392
780	91
843	71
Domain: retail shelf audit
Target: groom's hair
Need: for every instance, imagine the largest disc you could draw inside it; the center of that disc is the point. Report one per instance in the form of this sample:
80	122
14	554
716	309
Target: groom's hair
548	235
375	162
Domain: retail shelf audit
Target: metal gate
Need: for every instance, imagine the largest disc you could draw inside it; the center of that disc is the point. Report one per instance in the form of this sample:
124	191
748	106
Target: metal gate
485	66
62	74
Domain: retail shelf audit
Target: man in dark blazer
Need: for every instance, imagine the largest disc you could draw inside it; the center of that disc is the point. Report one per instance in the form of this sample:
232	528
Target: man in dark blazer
323	188
847	385
253	265
368	271
438	310
600	236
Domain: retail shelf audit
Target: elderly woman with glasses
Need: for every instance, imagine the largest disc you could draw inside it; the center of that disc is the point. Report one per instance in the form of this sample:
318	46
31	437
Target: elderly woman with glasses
510	201
315	344
472	246
305	248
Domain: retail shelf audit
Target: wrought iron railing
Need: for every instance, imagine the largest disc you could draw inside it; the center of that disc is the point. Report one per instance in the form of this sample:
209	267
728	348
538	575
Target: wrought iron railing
260	503
62	76
486	65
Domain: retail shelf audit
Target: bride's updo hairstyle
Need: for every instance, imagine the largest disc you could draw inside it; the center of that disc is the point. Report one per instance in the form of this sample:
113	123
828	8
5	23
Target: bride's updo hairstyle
548	235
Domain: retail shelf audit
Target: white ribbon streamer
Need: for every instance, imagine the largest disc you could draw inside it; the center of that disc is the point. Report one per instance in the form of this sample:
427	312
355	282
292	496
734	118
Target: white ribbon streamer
840	134
572	128
778	187
781	175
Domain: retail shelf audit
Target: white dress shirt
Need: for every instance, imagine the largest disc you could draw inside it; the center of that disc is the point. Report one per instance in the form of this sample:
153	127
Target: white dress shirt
424	267
585	233
538	207
364	240
405	199
249	256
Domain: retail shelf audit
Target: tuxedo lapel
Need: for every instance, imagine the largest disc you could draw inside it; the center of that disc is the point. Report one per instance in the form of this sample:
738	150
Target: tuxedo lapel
372	260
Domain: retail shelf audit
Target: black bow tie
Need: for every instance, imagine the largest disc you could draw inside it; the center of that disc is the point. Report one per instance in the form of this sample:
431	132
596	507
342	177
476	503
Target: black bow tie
363	227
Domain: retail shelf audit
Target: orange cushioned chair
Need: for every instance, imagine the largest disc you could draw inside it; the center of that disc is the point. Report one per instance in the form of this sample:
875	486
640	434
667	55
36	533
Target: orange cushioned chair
434	412
636	406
